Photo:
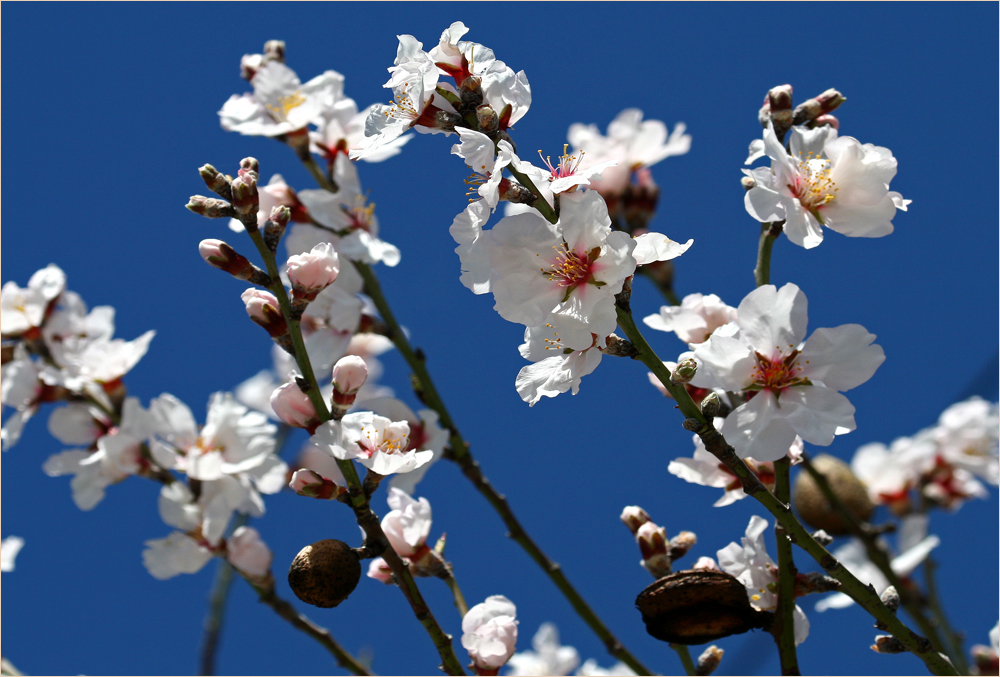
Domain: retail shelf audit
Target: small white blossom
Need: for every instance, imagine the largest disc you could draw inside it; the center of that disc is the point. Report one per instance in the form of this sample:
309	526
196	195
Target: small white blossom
9	548
24	309
375	441
548	658
177	554
280	103
694	319
489	632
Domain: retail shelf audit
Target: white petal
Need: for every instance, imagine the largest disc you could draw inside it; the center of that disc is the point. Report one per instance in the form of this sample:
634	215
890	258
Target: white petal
841	357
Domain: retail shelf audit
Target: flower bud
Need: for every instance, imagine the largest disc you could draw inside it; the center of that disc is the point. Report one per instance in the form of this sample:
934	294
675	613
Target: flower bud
748	182
814	582
220	255
812	505
312	272
634	517
280	215
890	598
705	564
708	661
696	607
294	407
488	119
809	111
710	405
306	482
248	553
489	633
246	199
263	308
325	573
888	644
216	181
685	371
822	537
274	50
652	540
681	544
251	166
210	207
250	64
349	374
511	191
380	571
827	120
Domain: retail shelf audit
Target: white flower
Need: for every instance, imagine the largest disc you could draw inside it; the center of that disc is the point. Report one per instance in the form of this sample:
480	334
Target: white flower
758	573
280	103
177	554
655	247
548	657
481	156
408	524
631	142
348	212
24	309
914	547
568	175
796	383
375	441
20	389
582	263
591	668
827	181
425	433
563	351
966	435
9	548
694	319
248	553
890	472
489	632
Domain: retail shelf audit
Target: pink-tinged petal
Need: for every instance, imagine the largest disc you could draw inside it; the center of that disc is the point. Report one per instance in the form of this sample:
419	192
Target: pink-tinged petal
726	362
801	226
759	429
816	413
584	220
841	357
772	318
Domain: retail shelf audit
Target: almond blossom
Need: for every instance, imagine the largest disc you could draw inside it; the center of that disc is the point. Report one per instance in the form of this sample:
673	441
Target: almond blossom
376	442
489	633
24	309
967	437
694	319
247	552
758	573
826	181
792	384
548	658
563	351
177	554
425	433
280	103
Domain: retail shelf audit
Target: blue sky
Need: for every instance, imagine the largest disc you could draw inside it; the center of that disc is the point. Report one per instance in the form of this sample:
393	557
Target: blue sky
111	109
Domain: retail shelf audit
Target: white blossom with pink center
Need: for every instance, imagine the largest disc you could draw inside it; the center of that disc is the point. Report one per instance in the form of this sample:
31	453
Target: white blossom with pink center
408	524
23	309
754	568
631	142
573	267
549	657
966	435
889	473
694	319
489	633
794	384
563	351
487	162
425	433
376	442
826	181
567	174
280	103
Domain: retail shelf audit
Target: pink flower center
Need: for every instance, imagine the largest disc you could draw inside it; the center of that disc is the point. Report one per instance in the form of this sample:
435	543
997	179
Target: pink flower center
777	373
360	215
571	269
813	186
568	164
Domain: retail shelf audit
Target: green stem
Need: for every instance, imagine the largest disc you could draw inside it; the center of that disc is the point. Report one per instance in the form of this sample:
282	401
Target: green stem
363	513
685	655
956	653
769	232
716	444
456	592
459	454
880	558
319	176
217	608
784	625
321	635
540	203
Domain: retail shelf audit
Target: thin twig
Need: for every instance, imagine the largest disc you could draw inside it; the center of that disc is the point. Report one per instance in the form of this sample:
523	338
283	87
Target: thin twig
784	619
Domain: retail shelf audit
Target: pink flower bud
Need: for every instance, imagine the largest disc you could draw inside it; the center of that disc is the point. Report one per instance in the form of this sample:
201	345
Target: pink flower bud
248	553
489	633
220	255
634	517
264	309
349	374
652	542
380	571
306	482
313	271
705	564
293	406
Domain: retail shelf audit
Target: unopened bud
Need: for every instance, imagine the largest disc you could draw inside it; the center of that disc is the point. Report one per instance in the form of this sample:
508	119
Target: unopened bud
634	517
681	544
216	181
747	182
685	371
445	121
210	207
246	201
814	582
313	271
511	191
705	564
471	91
888	644
274	50
349	374
250	164
280	215
809	110
250	64
822	537
710	405
986	659
890	598
778	110
652	541
308	483
488	119
709	660
220	255
827	120
294	407
264	309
